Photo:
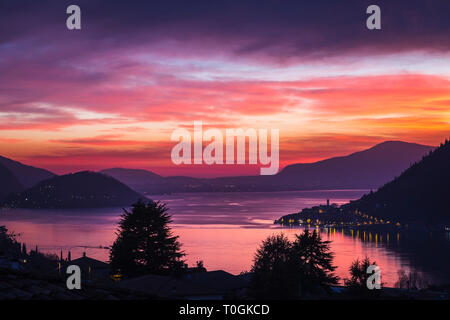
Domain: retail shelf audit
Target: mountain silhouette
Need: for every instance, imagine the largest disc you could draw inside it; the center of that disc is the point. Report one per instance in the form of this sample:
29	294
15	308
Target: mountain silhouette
147	182
419	195
8	182
78	190
137	179
366	169
28	176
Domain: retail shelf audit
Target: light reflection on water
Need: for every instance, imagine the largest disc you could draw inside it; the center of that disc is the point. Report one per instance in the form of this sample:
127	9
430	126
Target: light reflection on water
224	230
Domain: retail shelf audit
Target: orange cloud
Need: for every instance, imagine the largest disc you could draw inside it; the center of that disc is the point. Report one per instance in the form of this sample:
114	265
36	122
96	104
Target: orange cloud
317	118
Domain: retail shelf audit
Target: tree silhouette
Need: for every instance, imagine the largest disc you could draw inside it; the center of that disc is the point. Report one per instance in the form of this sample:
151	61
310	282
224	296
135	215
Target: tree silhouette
272	275
411	281
284	269
199	267
357	283
12	250
358	274
9	246
145	243
313	258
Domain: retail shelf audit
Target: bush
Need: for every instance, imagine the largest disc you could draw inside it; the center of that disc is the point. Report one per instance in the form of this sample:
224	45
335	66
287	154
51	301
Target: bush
285	270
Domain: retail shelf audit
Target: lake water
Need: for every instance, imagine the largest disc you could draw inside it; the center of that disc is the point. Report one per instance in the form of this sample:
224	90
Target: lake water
225	229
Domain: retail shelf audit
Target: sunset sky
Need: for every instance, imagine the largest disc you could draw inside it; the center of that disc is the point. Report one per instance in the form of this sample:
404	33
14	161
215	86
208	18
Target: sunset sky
112	93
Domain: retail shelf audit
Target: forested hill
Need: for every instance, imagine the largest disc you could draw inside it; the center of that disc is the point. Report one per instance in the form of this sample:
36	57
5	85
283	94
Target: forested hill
8	182
79	190
421	194
27	176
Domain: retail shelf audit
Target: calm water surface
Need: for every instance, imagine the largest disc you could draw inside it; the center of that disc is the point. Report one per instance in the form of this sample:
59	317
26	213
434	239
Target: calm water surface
224	230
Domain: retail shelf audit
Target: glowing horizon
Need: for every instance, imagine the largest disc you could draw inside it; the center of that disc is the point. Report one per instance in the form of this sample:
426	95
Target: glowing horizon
110	96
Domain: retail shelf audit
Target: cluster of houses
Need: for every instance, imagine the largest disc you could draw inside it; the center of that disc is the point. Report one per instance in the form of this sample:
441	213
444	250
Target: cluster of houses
20	267
331	215
196	283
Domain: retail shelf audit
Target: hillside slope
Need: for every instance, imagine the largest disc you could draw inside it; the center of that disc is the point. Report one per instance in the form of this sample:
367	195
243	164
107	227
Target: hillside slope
79	190
137	179
28	176
366	169
419	195
8	182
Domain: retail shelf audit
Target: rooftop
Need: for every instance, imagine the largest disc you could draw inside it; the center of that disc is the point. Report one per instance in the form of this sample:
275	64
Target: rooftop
212	283
24	286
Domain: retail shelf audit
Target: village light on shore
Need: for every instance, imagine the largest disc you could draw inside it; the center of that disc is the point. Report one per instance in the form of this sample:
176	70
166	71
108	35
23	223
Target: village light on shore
116	277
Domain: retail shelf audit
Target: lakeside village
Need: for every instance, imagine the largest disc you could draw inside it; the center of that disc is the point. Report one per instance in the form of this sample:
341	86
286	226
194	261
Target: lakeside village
26	275
31	274
333	215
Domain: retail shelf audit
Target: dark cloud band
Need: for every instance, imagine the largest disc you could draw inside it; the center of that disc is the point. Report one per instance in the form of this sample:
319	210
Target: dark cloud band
270	28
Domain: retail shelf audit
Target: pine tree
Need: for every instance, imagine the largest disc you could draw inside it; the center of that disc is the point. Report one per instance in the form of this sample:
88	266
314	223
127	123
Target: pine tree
313	258
272	276
357	283
285	270
145	244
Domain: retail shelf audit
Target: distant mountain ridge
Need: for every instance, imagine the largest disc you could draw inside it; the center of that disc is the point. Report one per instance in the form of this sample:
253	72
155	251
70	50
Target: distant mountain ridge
84	189
28	176
367	169
8	182
420	195
137	179
147	182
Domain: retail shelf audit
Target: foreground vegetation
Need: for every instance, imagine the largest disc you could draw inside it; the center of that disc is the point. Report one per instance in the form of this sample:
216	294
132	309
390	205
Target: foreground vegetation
301	268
